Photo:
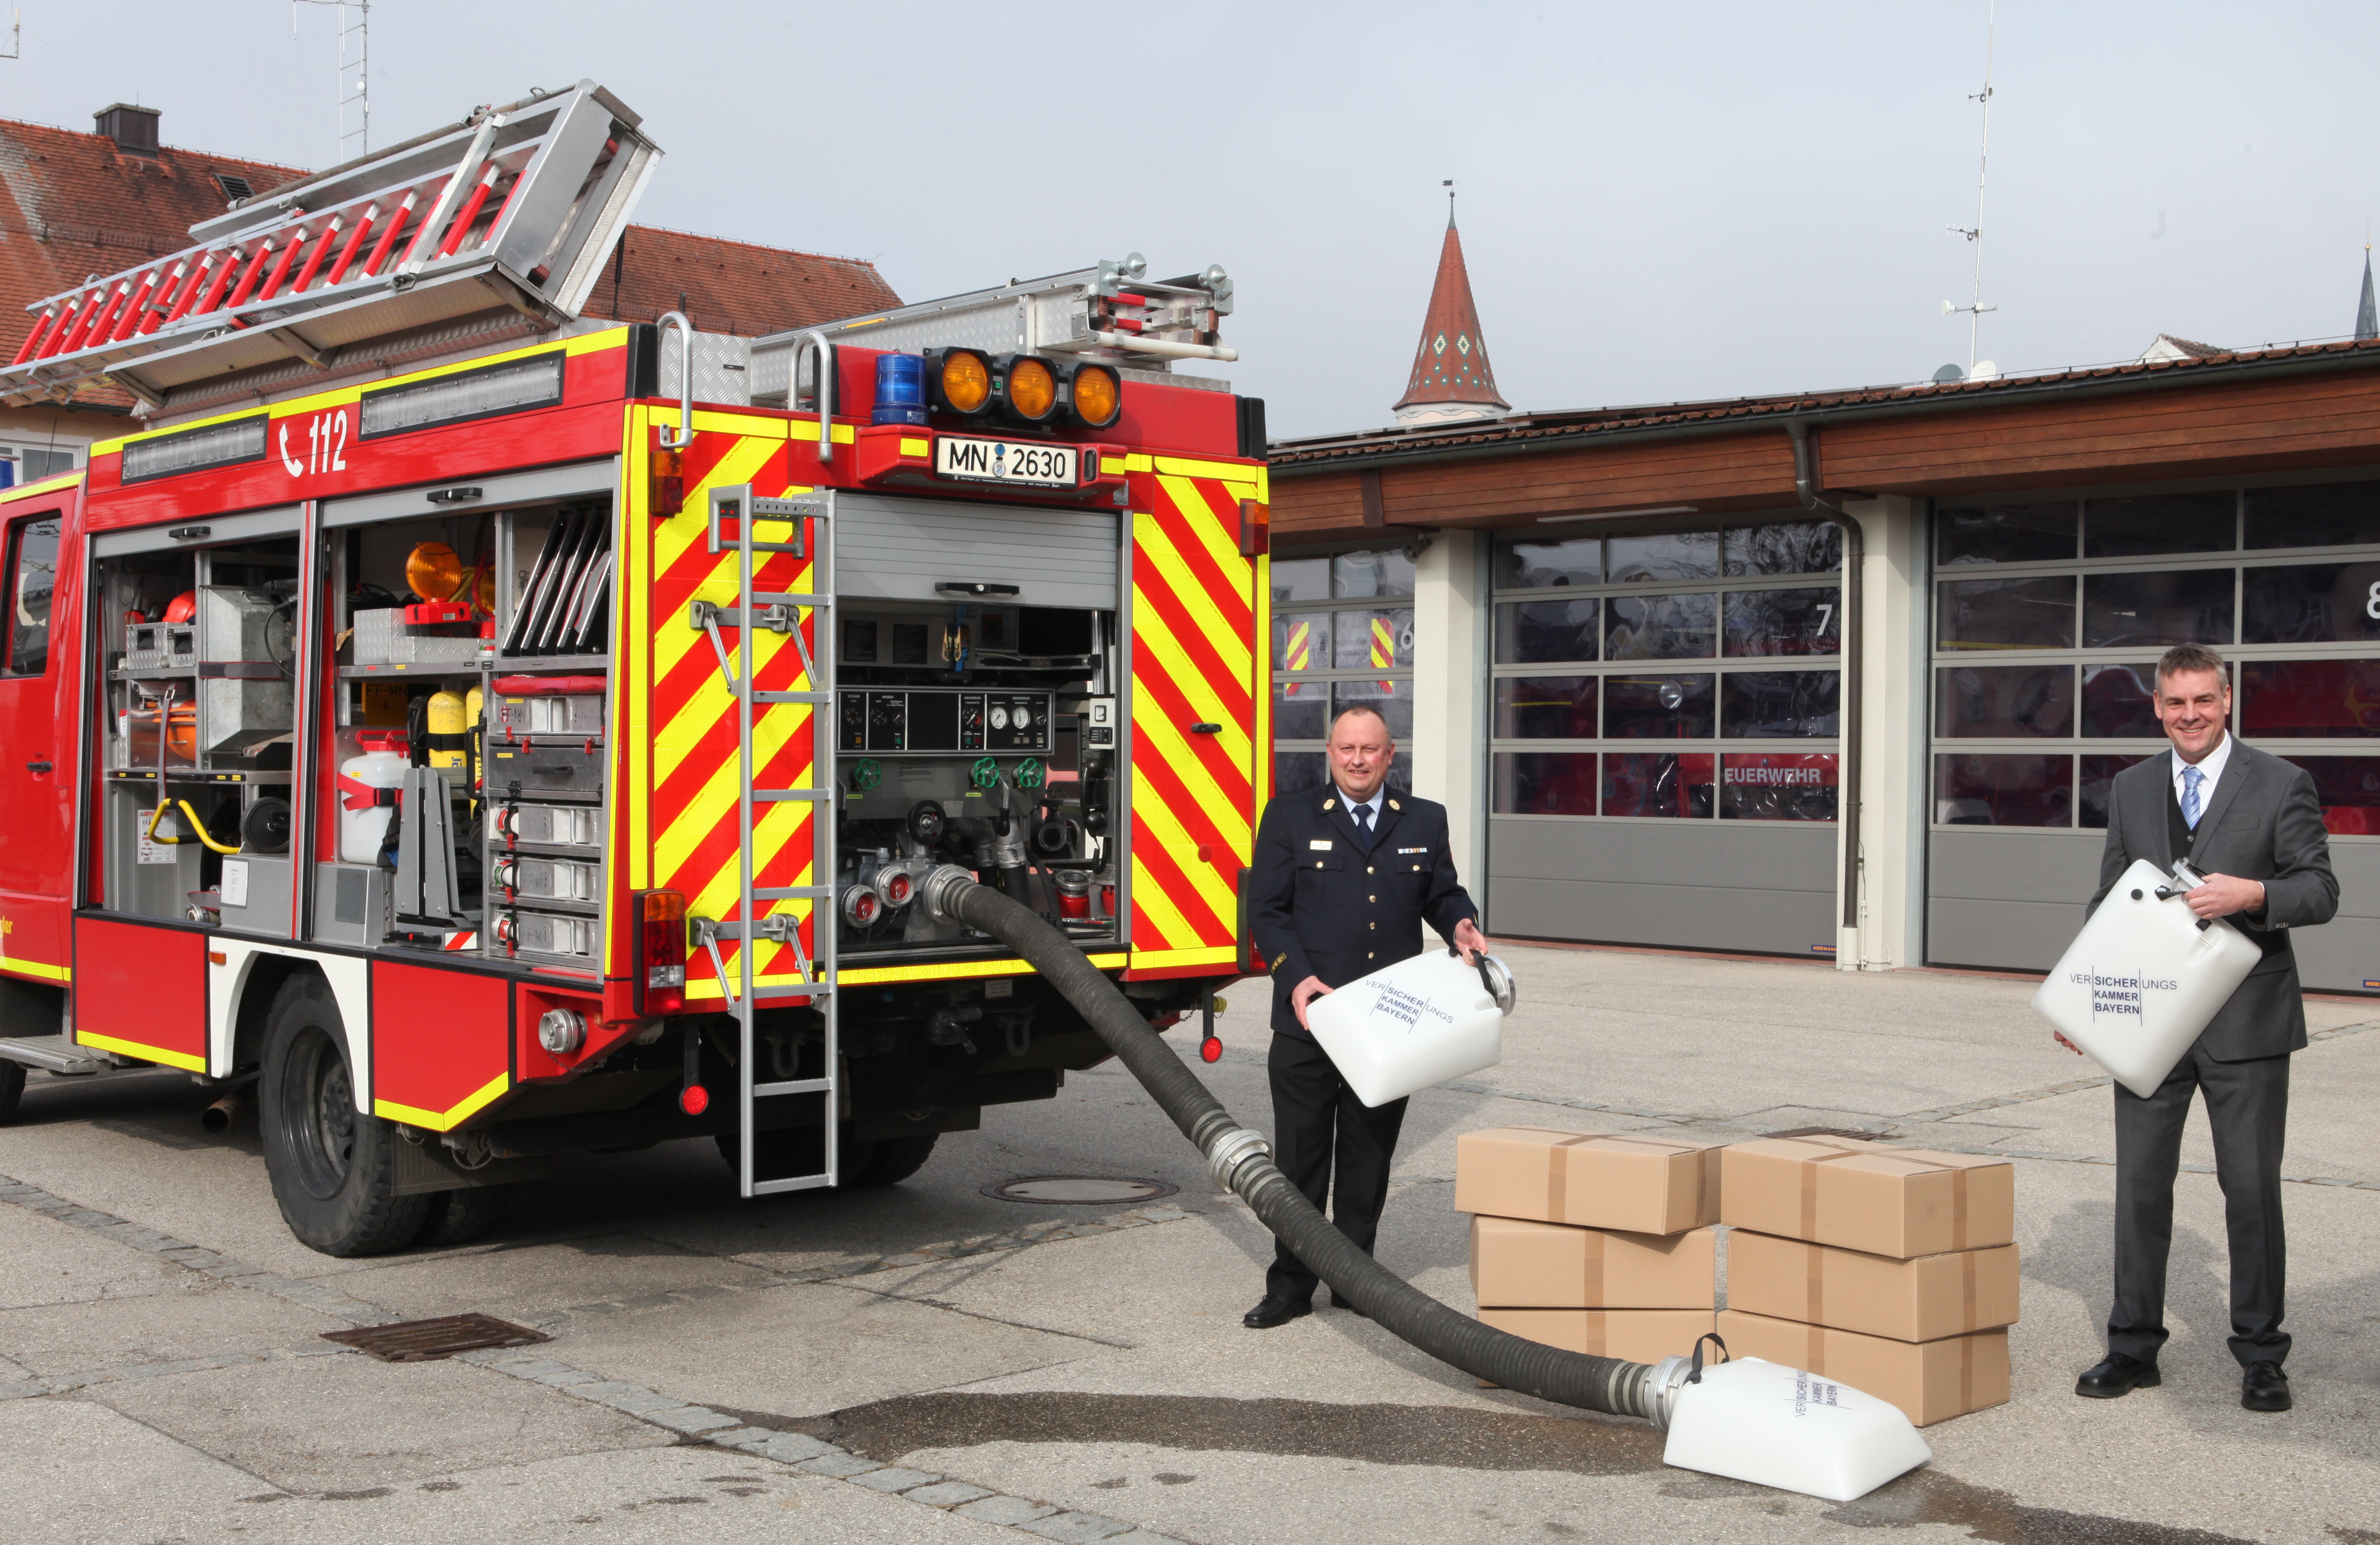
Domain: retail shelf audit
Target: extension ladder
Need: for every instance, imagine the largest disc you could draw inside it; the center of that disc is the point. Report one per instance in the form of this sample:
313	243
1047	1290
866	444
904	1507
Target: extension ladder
756	923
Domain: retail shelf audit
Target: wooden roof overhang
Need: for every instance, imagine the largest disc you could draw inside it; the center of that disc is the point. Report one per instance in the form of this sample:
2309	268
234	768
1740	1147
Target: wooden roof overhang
2275	410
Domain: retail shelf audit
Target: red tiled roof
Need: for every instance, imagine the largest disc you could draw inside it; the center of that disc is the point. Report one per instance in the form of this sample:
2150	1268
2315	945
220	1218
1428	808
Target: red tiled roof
732	286
1451	366
72	205
1423	441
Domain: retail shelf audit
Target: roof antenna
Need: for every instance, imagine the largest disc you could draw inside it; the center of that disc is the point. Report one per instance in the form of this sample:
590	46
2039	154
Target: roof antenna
1449	186
357	32
1976	307
16	36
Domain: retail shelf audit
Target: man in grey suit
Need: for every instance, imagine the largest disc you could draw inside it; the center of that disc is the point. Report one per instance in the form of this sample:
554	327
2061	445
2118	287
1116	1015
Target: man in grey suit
2251	825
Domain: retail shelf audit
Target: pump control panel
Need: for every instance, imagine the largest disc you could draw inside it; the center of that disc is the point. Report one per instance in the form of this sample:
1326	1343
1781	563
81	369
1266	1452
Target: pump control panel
923	722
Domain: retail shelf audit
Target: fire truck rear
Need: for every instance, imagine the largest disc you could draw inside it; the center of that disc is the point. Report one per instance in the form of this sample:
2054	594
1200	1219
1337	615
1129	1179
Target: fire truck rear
484	735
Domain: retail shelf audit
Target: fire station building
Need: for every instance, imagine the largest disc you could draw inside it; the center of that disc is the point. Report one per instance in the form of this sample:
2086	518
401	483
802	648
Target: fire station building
1842	674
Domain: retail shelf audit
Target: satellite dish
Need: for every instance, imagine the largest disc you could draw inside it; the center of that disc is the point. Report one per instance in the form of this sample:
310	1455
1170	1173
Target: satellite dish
1949	375
1985	370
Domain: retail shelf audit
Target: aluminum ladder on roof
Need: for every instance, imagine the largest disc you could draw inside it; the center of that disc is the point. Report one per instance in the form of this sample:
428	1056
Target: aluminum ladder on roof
756	924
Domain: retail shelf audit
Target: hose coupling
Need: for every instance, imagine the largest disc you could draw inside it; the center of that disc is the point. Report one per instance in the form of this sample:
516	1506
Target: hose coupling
1232	1150
1657	1394
940	888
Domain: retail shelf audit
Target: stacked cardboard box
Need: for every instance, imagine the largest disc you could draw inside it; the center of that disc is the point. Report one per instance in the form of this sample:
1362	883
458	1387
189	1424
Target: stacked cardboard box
1592	1243
1890	1268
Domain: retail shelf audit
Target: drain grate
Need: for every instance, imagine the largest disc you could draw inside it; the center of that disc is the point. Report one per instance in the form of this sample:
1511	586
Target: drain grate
1078	1190
425	1341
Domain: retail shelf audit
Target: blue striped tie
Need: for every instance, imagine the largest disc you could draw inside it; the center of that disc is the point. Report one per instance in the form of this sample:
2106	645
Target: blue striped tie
2191	778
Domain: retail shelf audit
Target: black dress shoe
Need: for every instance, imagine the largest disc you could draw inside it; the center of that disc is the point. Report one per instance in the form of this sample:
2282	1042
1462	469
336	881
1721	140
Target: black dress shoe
1271	1312
2121	1374
2264	1387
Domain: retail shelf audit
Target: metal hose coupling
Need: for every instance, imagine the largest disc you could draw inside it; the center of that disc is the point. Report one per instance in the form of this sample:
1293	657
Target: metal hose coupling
1228	1153
939	889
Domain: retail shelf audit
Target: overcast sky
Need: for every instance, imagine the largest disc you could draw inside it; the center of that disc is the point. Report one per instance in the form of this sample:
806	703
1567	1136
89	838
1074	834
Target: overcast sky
1658	203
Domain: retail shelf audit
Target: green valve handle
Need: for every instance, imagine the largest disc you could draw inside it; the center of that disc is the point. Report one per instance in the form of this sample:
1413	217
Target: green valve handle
865	773
985	774
1028	774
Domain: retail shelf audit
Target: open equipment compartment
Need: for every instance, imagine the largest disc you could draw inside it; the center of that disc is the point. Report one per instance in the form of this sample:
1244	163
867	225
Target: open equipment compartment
198	634
473	649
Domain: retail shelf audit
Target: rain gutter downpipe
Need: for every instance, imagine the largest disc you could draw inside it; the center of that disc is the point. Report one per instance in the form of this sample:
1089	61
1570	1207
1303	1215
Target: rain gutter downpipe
1806	484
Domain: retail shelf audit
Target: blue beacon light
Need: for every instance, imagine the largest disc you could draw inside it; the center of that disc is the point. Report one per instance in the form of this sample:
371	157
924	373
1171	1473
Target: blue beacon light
900	389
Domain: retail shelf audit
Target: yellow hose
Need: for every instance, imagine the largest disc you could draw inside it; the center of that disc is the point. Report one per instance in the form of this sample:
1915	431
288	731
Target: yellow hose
198	826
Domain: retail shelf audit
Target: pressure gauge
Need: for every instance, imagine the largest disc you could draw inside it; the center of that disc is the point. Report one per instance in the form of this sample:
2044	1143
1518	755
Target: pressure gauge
1000	718
1024	717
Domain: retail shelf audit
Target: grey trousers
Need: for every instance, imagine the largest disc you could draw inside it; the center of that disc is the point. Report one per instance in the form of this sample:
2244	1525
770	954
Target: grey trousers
2247	1107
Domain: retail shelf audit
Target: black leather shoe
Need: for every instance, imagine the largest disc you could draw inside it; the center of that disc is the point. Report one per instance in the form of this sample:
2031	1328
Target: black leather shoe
2121	1374
1271	1312
2264	1387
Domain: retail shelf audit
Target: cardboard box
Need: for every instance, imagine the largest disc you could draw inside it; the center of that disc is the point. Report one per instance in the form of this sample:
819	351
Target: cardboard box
1638	1184
1930	1381
1518	1264
1924	1300
1863	1196
1635	1335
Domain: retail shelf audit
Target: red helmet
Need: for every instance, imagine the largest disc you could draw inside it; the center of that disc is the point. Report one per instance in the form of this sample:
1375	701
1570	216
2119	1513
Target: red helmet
183	607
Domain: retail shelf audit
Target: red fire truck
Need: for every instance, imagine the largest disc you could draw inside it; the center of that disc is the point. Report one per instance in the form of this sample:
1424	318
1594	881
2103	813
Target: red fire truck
484	735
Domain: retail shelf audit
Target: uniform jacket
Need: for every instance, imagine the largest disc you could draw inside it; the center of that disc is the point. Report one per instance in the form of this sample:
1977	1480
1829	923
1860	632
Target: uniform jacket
2264	822
1324	905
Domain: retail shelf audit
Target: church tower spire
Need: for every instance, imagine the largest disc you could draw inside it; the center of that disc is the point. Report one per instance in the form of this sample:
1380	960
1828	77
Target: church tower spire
2367	315
1452	381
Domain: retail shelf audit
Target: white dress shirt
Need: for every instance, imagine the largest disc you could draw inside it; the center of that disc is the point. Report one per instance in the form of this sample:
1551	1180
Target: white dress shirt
2210	766
1371	822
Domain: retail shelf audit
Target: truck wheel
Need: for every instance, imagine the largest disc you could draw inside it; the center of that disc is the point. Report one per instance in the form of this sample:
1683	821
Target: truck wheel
460	1216
332	1166
12	1088
893	1160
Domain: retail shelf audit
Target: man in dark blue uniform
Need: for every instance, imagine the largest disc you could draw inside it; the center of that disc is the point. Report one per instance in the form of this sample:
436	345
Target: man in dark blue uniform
1345	875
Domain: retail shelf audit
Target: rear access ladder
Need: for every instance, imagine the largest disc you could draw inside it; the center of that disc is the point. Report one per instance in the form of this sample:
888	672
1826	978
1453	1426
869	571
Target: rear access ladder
756	924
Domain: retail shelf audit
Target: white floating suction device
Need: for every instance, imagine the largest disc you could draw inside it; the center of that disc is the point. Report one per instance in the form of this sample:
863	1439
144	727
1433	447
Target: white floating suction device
1424	1020
2144	976
1781	1426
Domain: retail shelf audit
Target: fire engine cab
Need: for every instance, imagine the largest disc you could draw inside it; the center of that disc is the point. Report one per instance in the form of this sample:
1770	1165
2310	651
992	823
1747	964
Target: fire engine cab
486	734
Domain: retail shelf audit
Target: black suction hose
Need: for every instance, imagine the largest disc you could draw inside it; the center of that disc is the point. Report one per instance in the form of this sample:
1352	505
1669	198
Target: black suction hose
1242	1160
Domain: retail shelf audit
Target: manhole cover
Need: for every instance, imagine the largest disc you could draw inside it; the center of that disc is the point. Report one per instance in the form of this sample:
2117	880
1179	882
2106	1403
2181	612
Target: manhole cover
422	1340
1075	1190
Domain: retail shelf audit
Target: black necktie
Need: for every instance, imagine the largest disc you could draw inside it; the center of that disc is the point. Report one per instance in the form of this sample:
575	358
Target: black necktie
1364	823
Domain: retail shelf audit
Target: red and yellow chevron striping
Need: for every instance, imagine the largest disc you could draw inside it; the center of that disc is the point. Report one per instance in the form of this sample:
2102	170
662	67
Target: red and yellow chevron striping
1197	613
683	821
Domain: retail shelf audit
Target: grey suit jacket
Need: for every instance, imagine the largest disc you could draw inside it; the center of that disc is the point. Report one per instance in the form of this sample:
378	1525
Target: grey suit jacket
2263	823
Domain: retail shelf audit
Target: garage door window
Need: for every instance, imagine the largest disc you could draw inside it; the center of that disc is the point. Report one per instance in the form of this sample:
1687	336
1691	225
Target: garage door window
1650	675
1342	635
2049	614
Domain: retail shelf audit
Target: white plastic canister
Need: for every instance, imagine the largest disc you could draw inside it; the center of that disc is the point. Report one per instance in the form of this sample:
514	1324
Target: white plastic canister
382	765
1419	1022
1798	1431
2142	979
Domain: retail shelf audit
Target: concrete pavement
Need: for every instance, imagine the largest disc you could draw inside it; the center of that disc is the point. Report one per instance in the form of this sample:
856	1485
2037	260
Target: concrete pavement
1013	1371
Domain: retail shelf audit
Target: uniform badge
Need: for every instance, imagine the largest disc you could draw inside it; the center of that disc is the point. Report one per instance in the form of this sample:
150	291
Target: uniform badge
1394	806
1330	804
1320	844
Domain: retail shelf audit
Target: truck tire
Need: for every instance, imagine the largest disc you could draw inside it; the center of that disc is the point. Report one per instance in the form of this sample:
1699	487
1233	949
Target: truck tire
332	1166
12	1088
460	1216
893	1160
